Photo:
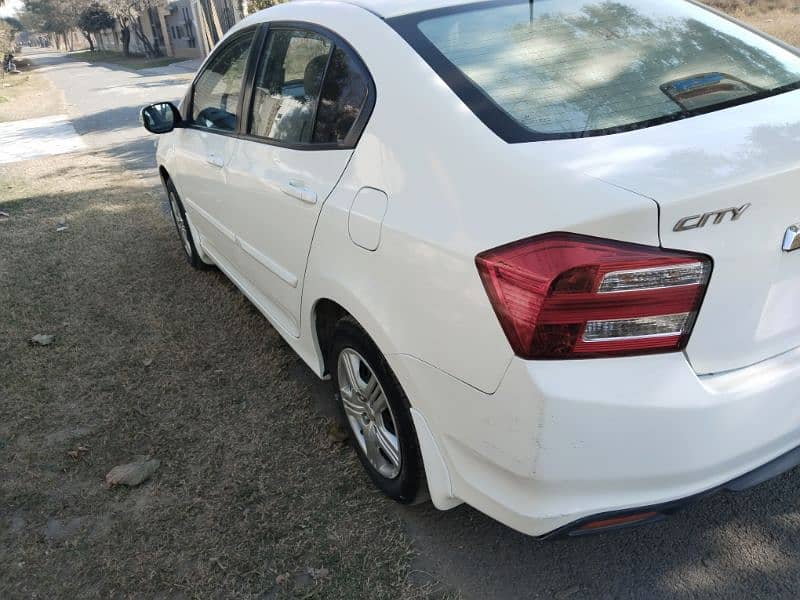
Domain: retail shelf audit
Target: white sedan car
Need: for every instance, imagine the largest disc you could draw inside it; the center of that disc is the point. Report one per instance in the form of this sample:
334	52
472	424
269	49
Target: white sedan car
544	249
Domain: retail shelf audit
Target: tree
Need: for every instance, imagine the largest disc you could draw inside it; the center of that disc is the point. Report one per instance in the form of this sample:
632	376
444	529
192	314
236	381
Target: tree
14	23
6	39
93	19
54	16
255	5
127	13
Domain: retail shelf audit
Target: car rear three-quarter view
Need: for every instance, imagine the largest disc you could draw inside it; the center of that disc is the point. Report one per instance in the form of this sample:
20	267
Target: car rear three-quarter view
545	250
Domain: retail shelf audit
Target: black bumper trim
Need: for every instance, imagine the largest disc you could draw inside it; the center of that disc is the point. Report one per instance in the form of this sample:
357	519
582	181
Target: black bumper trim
777	466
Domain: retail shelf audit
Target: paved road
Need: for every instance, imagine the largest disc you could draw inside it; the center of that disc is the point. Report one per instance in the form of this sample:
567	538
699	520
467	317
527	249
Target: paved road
745	545
104	102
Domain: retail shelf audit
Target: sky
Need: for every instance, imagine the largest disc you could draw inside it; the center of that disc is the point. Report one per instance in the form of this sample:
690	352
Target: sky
10	8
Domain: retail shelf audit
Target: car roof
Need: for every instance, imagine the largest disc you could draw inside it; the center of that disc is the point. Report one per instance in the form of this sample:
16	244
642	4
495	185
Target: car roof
393	8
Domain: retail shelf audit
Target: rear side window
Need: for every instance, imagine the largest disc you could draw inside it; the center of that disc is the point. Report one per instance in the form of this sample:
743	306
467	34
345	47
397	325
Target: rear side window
548	69
344	94
218	89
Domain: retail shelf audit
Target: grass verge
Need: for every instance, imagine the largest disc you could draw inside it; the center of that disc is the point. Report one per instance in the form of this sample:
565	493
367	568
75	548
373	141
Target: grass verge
117	58
150	357
27	95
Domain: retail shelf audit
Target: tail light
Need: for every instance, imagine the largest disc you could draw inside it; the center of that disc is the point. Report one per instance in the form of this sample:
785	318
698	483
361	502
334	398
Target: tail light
562	295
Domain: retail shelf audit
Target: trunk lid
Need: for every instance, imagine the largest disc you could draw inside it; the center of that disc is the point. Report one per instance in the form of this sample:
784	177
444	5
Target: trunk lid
728	185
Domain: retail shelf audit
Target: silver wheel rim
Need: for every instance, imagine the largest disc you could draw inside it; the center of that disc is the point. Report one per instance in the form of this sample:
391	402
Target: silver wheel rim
179	223
369	413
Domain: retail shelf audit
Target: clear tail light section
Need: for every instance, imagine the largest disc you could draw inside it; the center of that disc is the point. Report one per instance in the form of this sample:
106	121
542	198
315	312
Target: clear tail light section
562	295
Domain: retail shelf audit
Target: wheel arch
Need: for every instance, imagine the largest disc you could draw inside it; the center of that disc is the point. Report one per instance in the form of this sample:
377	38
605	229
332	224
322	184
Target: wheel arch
437	486
326	312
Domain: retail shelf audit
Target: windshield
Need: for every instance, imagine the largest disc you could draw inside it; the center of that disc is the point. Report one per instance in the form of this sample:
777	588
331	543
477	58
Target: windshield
545	69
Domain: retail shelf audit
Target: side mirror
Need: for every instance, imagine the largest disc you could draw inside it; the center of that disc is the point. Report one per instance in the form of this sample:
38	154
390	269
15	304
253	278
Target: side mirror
161	117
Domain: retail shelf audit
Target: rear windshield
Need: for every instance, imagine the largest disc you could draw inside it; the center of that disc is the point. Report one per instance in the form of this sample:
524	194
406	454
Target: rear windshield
548	69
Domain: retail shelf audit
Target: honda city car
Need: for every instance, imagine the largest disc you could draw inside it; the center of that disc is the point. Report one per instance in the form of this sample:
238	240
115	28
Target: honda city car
544	250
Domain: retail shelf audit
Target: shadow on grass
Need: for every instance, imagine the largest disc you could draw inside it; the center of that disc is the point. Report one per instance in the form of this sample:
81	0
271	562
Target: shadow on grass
111	59
151	357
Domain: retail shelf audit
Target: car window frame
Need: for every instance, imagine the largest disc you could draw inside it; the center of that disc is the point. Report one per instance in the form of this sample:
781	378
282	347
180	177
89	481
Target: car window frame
337	41
189	123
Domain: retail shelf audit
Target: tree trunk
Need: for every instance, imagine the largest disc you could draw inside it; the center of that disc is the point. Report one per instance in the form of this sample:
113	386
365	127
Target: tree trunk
88	37
126	41
140	35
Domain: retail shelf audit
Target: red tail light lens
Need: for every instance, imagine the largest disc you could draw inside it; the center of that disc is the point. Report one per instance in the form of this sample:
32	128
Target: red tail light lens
562	295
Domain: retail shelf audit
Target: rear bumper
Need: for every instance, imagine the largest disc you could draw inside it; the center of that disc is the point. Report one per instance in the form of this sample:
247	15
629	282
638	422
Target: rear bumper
561	442
650	514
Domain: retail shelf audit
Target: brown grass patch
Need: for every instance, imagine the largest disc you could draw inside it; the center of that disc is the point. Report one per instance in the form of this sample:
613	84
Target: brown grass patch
779	18
28	95
151	357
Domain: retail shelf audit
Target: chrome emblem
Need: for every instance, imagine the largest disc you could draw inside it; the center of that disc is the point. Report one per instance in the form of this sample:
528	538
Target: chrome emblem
698	221
791	239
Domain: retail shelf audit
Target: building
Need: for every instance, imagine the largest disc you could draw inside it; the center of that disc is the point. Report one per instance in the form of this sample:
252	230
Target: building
180	24
214	17
180	28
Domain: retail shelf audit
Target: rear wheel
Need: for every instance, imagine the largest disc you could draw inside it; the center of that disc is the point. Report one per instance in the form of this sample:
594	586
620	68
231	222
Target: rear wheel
377	412
182	227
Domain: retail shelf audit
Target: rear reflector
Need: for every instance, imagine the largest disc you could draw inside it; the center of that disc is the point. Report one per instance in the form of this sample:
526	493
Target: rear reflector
562	295
618	521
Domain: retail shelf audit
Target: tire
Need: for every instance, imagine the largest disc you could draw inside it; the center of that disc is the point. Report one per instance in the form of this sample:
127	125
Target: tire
377	415
182	227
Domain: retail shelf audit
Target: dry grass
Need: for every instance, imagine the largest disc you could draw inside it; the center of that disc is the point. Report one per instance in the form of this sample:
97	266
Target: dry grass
117	58
779	18
250	486
27	95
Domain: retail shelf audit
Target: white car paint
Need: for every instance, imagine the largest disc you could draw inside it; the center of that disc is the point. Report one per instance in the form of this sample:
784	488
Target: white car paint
535	444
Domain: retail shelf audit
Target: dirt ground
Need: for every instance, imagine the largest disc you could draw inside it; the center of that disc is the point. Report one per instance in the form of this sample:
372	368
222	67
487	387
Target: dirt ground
27	95
253	498
780	18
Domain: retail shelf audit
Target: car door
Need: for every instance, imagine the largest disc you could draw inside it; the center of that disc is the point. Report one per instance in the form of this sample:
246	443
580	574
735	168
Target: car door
205	145
309	102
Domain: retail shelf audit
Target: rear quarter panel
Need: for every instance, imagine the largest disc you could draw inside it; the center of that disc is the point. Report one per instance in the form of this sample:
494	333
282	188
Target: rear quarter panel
454	190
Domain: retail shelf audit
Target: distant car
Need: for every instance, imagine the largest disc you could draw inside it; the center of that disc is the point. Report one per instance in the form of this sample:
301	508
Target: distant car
543	249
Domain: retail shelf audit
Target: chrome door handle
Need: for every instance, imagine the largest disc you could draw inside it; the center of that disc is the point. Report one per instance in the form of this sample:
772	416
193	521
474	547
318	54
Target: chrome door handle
297	190
215	161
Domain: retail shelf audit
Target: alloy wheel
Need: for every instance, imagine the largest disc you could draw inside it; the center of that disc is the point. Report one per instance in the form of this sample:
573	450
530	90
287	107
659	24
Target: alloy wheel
368	413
